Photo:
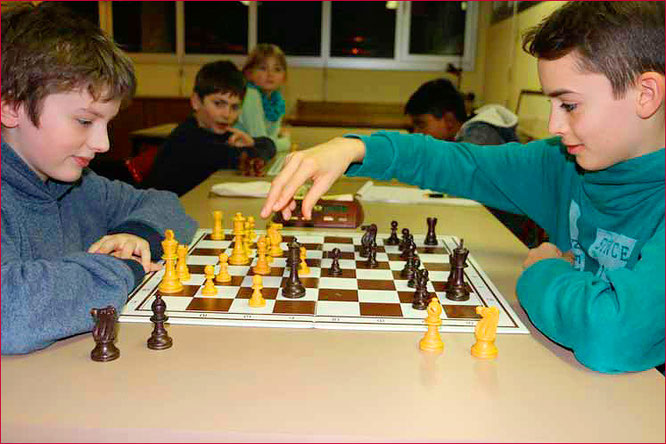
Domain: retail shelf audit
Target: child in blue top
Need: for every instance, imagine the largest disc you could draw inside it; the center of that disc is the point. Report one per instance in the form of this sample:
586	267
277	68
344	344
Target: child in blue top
597	189
263	105
71	240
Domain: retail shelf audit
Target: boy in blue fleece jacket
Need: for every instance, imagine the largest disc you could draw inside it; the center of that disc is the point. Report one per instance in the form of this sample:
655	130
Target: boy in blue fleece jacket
597	189
71	240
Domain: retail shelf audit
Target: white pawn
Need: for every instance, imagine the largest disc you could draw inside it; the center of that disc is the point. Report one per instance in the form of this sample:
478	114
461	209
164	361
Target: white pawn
257	300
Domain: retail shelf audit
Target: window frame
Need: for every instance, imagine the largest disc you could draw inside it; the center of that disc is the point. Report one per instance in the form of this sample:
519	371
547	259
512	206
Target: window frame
402	60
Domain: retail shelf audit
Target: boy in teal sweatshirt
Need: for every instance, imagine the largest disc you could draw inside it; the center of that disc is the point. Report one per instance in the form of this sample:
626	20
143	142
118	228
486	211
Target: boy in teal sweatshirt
71	240
597	189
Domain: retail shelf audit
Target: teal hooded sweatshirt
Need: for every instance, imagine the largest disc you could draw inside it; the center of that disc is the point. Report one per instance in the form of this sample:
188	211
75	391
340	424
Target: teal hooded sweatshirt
609	306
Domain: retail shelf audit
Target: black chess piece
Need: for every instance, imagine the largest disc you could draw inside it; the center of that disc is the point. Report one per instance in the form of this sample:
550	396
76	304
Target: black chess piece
456	290
409	245
421	295
159	338
393	238
293	288
372	255
368	238
416	264
104	333
405	237
407	271
335	269
431	237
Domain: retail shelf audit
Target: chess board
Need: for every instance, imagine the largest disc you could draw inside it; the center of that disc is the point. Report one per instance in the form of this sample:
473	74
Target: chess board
360	299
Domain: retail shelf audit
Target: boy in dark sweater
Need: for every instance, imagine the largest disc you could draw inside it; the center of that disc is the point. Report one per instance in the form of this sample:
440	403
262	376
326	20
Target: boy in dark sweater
207	141
71	240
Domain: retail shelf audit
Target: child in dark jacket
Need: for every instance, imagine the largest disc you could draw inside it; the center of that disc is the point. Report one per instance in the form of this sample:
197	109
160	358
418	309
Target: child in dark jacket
71	240
207	141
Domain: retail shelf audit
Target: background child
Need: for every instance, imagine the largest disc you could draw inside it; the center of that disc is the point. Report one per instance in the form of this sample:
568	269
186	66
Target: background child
437	108
71	240
206	141
598	189
263	106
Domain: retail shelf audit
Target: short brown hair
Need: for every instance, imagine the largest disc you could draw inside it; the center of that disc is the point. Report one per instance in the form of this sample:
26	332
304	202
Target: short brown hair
618	39
219	77
46	49
260	53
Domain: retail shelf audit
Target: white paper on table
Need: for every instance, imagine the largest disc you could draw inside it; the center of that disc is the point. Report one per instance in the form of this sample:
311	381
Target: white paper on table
370	192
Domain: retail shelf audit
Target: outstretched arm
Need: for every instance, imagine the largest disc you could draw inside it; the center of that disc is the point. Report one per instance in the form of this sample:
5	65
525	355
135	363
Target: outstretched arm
323	164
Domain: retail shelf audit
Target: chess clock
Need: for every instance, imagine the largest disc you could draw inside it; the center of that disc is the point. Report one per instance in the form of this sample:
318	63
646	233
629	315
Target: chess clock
326	214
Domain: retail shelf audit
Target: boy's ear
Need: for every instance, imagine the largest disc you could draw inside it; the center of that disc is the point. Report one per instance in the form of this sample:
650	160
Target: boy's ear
10	114
650	94
195	101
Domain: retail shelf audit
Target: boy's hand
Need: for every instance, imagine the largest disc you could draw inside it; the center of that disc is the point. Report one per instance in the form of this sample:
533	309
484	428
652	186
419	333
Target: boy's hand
323	164
240	139
546	251
126	246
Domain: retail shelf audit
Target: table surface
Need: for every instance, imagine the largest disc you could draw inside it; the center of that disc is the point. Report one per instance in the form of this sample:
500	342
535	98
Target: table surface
269	384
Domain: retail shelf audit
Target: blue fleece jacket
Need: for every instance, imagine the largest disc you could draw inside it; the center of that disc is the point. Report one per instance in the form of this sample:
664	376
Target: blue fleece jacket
609	306
49	282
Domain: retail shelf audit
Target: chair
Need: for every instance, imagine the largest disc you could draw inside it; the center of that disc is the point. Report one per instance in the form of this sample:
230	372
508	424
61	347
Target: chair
140	165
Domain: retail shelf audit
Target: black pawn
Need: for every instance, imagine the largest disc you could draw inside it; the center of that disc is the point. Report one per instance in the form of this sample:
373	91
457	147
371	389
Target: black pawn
335	269
408	270
393	239
372	255
104	333
416	263
294	289
431	237
410	245
421	295
159	339
405	238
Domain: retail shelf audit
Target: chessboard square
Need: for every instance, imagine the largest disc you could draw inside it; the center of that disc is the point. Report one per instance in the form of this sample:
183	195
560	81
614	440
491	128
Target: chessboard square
438	276
375	284
313	263
339	240
314	254
401	285
431	250
266	281
315	272
380	310
361	264
346	274
188	291
310	239
223	292
267	293
338	308
213	244
195	279
206	305
337	294
382	296
406	296
375	274
295	307
344	248
201	260
410	312
437	266
343	283
312	247
209	238
279	262
433	258
394	257
197	269
214	252
237	270
397	265
243	306
460	311
380	249
172	304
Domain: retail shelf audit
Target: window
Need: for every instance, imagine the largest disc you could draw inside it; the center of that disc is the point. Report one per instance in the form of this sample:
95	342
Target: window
294	26
437	28
216	28
392	35
145	26
362	29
